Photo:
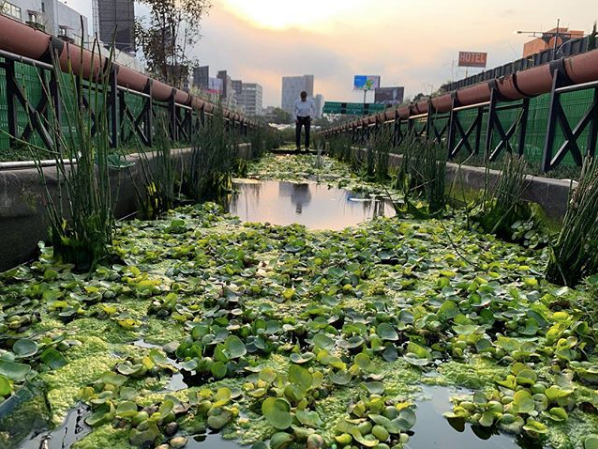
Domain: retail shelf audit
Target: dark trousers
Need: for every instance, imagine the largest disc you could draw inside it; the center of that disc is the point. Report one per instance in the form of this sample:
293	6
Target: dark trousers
302	121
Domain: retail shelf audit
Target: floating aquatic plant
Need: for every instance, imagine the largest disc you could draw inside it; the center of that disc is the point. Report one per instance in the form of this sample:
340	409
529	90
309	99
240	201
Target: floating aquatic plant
279	336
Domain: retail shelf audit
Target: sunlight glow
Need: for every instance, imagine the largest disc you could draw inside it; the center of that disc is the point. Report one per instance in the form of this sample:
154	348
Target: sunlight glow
281	14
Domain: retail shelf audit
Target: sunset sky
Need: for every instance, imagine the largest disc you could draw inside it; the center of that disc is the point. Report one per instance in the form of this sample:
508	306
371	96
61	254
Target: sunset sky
413	43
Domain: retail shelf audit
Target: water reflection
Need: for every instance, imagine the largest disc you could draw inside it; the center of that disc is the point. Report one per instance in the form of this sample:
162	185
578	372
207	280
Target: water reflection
314	205
64	436
212	441
300	196
433	430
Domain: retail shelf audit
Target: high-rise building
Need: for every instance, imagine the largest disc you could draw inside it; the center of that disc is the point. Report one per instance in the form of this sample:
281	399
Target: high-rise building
229	97
251	99
319	101
237	87
114	21
51	16
292	86
201	77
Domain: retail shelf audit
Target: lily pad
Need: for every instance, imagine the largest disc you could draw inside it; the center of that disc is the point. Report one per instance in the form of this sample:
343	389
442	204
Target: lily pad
341	378
53	358
17	372
387	332
235	347
25	348
278	413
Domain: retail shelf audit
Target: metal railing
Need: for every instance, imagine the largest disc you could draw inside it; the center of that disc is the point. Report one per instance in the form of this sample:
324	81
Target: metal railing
569	48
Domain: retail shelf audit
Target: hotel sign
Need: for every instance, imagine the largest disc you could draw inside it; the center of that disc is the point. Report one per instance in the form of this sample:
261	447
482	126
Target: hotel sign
472	59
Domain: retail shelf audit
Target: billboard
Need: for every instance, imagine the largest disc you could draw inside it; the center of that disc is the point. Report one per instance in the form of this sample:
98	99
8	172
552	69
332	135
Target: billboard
336	107
389	95
366	82
116	21
215	86
472	59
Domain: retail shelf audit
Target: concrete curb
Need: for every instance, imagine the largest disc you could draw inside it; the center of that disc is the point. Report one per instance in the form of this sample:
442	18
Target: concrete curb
551	194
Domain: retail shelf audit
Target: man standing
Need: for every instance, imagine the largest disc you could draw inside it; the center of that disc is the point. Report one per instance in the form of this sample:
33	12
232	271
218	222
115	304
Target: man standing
303	111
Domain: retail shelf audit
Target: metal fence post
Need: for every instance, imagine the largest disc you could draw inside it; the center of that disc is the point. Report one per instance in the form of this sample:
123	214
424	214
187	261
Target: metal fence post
11	100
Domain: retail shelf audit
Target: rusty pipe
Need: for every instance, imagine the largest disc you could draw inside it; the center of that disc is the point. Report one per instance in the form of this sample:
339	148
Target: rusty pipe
23	40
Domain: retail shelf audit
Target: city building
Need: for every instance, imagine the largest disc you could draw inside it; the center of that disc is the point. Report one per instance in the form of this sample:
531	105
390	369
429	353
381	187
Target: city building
237	87
251	99
547	40
201	77
114	22
319	101
50	16
229	98
292	86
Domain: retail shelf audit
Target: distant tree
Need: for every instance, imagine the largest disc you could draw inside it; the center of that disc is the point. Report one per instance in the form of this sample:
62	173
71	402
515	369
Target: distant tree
167	36
418	97
323	121
280	116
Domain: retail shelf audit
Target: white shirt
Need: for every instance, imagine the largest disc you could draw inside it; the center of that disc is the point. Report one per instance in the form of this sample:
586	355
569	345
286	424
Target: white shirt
305	108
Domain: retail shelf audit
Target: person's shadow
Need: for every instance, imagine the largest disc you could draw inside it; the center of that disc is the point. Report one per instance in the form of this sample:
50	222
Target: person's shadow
301	196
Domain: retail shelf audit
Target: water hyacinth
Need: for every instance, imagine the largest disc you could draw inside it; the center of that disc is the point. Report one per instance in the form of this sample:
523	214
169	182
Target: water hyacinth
282	337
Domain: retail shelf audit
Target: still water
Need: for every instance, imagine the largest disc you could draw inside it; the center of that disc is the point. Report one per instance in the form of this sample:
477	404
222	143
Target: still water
433	431
313	205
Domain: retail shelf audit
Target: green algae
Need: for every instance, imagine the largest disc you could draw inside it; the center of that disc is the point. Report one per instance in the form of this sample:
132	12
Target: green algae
223	273
105	437
63	385
476	374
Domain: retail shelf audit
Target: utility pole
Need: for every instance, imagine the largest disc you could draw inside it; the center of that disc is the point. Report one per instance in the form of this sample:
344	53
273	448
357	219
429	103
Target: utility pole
556	38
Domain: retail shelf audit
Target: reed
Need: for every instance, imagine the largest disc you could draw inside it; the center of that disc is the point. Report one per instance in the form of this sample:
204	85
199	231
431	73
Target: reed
213	158
422	172
340	148
382	146
81	215
157	193
502	203
575	254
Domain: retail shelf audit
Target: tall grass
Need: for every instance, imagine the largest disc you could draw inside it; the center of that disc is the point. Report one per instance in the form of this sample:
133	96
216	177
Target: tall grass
209	176
502	204
81	215
157	193
382	145
575	254
263	139
422	172
340	148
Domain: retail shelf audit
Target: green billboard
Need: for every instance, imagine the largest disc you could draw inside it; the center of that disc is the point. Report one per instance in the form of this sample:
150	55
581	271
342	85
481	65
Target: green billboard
335	107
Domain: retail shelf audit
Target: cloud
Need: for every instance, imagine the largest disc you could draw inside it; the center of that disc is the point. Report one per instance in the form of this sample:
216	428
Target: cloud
410	43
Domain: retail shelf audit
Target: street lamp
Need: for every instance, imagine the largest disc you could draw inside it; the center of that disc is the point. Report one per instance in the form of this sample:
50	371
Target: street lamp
556	35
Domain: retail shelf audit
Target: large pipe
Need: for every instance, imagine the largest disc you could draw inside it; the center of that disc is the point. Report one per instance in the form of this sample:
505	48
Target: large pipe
23	40
578	69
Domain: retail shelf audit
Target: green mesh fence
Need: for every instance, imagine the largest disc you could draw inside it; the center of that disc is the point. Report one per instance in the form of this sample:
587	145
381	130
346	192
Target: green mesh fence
33	81
575	104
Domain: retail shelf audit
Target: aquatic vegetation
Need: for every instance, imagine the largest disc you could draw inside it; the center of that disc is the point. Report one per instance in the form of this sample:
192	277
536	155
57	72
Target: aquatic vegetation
81	217
575	254
157	193
340	148
423	171
209	174
284	337
501	209
379	148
